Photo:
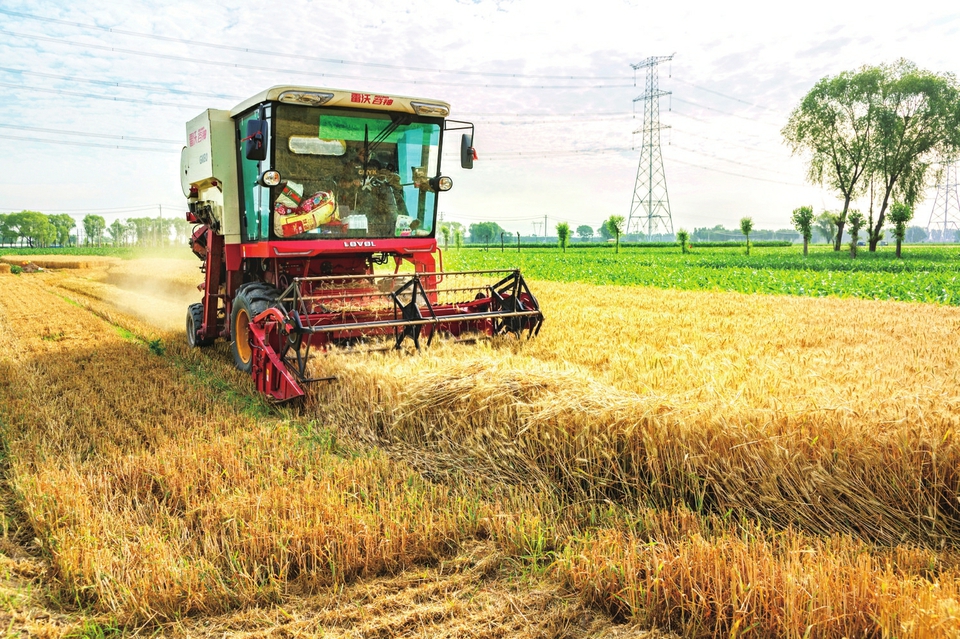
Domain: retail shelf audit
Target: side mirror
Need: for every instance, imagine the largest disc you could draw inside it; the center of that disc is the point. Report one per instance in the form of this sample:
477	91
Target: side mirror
255	143
467	153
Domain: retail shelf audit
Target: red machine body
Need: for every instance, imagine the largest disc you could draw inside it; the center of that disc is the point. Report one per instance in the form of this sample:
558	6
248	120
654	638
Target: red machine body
316	225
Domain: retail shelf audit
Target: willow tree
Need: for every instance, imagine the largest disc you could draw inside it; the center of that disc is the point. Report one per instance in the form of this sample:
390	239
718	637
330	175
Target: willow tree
563	235
834	125
826	225
746	227
917	124
802	219
614	225
856	223
900	214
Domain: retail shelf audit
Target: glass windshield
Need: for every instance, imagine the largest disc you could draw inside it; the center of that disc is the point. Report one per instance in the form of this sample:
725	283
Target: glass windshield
349	174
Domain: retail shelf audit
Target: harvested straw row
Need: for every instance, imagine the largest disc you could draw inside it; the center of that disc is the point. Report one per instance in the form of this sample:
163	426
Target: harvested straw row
4	268
155	500
57	261
824	471
882	465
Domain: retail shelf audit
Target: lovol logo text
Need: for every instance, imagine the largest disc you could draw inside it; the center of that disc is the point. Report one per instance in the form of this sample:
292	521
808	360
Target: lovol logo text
358	244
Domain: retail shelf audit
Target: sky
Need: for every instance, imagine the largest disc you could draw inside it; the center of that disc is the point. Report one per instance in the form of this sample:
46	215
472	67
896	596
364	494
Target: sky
95	95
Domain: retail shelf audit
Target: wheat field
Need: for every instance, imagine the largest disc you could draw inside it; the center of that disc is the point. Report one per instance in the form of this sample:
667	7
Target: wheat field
708	464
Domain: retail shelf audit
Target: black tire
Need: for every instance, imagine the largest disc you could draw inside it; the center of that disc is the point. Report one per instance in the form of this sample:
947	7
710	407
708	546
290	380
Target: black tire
252	299
194	322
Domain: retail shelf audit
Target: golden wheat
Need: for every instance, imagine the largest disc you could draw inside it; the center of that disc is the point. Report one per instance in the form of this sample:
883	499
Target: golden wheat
155	498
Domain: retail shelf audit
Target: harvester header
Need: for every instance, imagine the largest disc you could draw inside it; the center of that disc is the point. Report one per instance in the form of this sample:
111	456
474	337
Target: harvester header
302	199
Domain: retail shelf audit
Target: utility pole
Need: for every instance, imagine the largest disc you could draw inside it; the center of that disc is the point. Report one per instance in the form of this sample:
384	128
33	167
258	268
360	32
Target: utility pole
945	216
650	210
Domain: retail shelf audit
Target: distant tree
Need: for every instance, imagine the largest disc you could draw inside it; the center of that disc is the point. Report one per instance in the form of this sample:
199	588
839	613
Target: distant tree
183	229
63	223
563	235
605	231
94	226
915	235
615	225
445	233
746	226
803	221
116	231
900	214
454	226
164	226
485	232
7	236
143	226
458	238
855	218
826	225
32	227
585	232
683	237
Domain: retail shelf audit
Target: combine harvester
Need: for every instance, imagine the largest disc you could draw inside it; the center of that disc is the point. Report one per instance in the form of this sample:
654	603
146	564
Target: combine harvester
299	195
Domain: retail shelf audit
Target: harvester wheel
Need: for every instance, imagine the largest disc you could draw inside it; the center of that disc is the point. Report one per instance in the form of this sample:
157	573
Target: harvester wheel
194	322
252	299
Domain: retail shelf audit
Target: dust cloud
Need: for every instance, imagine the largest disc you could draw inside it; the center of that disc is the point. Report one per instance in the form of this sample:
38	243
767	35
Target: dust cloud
155	290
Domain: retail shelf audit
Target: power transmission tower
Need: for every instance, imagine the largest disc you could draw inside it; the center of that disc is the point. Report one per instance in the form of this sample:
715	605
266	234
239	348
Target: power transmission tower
650	210
945	216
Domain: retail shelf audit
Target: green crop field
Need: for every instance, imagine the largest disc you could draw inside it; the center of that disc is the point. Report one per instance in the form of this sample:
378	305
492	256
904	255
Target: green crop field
925	274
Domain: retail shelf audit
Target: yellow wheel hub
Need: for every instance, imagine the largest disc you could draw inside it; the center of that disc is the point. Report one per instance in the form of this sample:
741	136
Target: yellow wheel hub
241	333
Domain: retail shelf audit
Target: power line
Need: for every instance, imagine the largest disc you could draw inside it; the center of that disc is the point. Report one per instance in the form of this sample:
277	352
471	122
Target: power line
748	177
275	71
519	155
541	115
723	95
111	98
112	211
556	122
295	56
90	144
121	85
21	127
727	142
580	117
717	157
703	106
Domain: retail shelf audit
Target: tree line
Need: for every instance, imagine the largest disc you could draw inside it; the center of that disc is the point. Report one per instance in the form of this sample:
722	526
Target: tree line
39	230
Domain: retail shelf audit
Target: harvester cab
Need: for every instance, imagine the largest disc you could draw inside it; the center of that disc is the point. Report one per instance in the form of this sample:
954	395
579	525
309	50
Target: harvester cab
316	220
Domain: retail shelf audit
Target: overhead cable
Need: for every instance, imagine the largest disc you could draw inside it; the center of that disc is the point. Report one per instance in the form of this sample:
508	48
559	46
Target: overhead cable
121	85
723	95
703	106
274	71
20	127
111	98
89	144
297	56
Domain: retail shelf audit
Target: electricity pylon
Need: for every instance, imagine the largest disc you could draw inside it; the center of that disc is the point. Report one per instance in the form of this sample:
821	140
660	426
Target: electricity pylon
650	210
945	216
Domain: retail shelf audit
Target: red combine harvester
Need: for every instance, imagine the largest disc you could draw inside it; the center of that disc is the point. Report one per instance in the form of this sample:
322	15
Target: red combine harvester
299	195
